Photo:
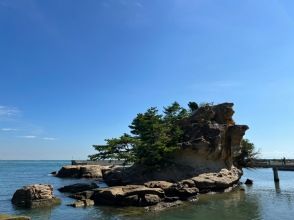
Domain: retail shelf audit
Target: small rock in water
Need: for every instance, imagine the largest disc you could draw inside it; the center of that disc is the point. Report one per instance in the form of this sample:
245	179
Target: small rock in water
249	182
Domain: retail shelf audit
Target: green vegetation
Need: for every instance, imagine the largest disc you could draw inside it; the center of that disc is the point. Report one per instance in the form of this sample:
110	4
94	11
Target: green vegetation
154	137
248	153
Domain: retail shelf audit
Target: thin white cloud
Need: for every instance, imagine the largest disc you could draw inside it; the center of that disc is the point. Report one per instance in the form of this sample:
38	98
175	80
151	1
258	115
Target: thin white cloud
49	138
8	112
216	85
8	129
28	136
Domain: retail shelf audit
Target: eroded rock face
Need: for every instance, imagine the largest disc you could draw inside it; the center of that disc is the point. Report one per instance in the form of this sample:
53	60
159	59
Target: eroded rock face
33	196
80	171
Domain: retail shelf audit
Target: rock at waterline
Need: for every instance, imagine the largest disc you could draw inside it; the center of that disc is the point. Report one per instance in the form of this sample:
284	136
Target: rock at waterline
78	187
82	203
83	195
248	182
81	171
34	196
180	190
131	195
13	217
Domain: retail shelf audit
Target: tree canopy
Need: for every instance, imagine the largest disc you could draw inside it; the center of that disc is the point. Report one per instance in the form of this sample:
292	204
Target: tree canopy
154	137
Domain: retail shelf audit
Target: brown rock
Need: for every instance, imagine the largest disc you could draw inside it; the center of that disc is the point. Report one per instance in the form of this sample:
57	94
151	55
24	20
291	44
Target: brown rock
134	195
80	171
217	181
158	184
37	195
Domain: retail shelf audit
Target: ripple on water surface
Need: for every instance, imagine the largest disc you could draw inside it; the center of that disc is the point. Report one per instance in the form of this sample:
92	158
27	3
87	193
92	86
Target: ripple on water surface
263	200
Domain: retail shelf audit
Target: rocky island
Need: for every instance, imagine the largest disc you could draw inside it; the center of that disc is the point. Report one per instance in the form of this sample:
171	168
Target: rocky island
201	154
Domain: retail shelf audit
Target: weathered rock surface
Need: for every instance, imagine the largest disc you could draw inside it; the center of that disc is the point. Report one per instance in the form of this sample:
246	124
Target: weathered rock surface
80	171
78	187
83	195
131	195
217	181
82	203
175	191
33	196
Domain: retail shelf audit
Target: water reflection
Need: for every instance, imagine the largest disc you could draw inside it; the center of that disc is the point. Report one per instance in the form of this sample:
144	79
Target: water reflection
277	187
233	205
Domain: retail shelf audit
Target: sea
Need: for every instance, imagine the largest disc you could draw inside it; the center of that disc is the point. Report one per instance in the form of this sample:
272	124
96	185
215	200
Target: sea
263	200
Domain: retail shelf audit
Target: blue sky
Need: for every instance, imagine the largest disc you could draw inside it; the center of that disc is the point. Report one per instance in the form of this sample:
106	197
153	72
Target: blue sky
73	73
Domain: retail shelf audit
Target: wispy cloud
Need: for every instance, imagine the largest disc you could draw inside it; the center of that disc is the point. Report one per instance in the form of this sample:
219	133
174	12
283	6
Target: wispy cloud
28	136
49	138
216	85
8	129
7	112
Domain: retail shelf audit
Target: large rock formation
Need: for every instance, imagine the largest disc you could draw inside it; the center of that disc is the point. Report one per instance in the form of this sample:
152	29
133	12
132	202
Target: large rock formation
33	196
212	142
204	162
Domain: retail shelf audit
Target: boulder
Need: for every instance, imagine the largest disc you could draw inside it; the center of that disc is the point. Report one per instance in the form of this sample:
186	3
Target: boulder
217	181
33	196
78	187
182	190
131	195
80	171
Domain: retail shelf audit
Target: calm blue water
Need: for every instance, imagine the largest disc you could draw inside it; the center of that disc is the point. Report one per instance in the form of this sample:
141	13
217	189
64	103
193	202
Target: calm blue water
264	200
